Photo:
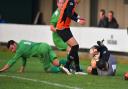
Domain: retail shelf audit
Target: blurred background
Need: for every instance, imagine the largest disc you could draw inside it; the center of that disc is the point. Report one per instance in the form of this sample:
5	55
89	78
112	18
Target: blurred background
26	11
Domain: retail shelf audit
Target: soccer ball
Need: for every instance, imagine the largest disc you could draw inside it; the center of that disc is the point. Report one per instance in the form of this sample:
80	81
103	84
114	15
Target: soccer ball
126	75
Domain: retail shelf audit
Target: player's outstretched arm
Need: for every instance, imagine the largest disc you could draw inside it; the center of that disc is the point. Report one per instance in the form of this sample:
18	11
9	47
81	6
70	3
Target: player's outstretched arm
81	21
5	68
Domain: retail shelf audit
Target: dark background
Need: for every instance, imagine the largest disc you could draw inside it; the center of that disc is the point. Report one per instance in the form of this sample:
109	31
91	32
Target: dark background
19	11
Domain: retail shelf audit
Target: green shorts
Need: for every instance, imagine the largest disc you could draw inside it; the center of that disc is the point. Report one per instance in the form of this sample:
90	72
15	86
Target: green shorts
46	54
55	69
59	43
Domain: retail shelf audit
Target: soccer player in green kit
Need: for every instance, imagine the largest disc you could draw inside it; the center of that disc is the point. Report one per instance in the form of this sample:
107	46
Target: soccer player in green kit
59	43
26	49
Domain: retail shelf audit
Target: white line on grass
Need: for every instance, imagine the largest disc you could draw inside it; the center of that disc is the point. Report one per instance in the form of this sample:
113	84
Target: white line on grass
45	82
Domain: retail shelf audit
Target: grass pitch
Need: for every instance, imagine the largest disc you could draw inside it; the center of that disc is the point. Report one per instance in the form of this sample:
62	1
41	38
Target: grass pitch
35	78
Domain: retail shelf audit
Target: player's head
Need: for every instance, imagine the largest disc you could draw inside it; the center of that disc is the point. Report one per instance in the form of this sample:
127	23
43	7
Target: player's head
102	14
11	45
110	15
60	3
93	50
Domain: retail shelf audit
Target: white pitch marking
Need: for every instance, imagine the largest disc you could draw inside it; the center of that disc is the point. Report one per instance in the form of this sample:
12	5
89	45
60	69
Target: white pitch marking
45	82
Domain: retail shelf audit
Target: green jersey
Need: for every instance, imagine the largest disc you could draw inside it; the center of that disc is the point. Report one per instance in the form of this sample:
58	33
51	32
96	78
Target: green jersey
26	49
60	44
55	17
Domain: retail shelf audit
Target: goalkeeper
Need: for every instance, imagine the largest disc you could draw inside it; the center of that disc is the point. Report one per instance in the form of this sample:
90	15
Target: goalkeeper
26	49
103	63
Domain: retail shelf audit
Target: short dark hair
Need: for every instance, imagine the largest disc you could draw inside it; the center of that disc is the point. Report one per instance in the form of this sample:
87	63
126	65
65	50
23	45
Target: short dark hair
103	11
10	42
111	12
59	0
95	47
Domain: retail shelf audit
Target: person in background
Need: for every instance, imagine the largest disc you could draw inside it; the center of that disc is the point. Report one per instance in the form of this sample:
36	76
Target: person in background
103	20
112	22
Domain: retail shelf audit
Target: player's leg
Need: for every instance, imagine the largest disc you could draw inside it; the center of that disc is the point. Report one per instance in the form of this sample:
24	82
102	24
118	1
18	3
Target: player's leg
62	61
67	36
112	65
59	43
48	58
56	64
73	54
52	63
111	68
53	69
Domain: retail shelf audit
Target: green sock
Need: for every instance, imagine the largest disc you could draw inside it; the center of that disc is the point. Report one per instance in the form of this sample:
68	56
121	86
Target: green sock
62	61
54	69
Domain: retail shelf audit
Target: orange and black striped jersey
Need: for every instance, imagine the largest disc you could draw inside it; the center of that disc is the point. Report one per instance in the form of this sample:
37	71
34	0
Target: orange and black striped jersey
67	14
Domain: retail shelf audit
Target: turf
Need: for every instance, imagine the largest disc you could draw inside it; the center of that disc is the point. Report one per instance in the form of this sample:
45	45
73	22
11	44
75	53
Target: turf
42	80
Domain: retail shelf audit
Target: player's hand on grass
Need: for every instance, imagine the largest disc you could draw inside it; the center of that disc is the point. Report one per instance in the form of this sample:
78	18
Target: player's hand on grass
1	71
5	68
21	69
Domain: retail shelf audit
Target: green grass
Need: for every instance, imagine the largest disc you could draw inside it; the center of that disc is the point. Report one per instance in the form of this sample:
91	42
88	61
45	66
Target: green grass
35	71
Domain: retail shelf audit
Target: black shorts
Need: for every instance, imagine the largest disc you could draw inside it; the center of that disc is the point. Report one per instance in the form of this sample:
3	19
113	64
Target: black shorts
65	34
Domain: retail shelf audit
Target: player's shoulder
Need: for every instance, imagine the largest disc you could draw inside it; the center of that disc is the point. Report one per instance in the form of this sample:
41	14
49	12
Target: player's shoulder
24	42
56	13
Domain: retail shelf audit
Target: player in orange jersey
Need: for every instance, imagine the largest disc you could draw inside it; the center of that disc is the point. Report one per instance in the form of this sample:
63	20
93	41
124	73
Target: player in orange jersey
63	29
